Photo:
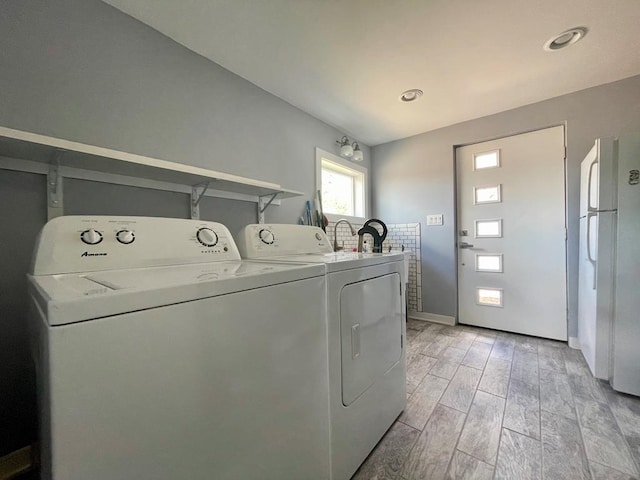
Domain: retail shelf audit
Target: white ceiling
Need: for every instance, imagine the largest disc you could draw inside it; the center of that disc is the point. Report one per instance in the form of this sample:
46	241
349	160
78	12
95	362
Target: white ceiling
347	61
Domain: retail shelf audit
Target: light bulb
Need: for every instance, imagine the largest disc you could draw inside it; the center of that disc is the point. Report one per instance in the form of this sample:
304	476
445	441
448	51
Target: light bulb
346	150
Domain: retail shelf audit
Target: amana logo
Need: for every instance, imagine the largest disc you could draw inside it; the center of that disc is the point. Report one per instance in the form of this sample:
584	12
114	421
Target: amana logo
87	254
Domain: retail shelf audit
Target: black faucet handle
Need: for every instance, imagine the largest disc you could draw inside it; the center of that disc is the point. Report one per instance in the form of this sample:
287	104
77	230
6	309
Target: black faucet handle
382	224
374	233
371	231
377	238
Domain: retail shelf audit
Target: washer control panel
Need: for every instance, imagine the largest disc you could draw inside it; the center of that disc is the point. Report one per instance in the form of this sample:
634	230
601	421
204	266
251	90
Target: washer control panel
84	244
207	237
125	236
91	236
270	240
266	236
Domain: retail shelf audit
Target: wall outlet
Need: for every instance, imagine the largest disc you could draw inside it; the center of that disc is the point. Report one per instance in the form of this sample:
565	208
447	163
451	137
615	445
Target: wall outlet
435	220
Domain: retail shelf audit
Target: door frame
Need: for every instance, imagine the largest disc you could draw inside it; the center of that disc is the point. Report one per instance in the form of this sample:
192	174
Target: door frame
564	126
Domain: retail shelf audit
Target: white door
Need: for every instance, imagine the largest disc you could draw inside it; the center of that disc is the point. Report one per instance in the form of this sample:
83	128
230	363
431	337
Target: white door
511	234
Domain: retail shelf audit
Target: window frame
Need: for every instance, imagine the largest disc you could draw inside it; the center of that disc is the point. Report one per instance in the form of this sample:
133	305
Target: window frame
484	187
478	154
482	270
332	158
479	220
494	305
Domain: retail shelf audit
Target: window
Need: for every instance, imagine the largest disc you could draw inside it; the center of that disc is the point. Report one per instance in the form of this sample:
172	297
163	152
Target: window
490	262
487	194
486	160
488	228
490	297
343	186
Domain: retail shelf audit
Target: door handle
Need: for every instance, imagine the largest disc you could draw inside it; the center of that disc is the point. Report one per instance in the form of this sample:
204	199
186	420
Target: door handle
591	167
465	245
590	257
355	341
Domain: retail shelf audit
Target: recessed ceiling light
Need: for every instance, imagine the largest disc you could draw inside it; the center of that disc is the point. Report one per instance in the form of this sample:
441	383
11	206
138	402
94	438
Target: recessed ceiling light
411	95
565	39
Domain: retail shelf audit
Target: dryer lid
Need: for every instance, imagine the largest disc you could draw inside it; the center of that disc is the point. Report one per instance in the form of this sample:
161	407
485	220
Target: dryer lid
338	261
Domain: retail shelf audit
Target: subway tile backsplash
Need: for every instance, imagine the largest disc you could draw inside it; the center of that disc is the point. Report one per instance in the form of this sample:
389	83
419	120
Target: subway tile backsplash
398	234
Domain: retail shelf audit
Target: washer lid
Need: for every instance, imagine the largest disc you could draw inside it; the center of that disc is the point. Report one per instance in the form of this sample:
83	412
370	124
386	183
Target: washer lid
161	277
71	298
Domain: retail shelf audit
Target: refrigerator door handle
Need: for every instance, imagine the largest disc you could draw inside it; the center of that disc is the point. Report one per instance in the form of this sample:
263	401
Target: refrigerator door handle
589	256
589	182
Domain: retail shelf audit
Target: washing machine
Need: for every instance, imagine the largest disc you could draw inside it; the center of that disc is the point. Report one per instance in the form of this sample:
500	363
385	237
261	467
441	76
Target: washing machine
365	318
162	355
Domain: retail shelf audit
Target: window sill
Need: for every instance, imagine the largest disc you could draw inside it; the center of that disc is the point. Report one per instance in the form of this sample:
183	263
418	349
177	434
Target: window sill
333	218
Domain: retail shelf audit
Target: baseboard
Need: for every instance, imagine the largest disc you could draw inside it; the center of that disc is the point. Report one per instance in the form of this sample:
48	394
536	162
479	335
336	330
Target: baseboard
574	343
432	317
16	463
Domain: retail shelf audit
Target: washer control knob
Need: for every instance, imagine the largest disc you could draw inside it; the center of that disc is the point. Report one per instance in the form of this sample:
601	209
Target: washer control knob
207	237
266	236
125	236
91	237
318	236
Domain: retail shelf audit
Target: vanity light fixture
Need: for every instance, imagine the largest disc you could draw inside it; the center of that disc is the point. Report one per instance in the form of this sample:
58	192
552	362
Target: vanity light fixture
346	150
357	153
350	149
564	39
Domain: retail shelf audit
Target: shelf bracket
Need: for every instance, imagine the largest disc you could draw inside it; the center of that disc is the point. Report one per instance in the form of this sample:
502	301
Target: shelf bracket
263	204
55	206
196	196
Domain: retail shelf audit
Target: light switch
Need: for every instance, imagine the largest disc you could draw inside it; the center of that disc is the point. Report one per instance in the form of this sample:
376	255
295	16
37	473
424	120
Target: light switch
434	220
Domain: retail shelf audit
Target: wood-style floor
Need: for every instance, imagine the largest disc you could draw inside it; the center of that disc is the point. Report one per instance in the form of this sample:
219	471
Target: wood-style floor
484	404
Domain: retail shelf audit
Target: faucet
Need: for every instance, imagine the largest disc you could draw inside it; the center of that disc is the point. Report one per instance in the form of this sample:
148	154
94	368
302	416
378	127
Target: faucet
335	233
377	238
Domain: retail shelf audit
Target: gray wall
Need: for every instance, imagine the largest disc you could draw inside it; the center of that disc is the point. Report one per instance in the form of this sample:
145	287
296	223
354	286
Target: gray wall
416	176
23	213
84	71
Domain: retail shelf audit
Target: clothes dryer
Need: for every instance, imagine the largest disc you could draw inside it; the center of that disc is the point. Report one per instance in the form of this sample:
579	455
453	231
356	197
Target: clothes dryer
366	325
162	355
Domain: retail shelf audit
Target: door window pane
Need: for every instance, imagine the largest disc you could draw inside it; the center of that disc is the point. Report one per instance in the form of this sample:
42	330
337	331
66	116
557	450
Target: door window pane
486	160
491	297
489	262
489	228
486	194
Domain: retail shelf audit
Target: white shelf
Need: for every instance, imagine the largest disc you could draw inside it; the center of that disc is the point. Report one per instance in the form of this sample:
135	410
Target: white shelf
38	153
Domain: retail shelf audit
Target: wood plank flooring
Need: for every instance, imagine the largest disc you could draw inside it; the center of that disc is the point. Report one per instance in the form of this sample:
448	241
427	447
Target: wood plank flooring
492	405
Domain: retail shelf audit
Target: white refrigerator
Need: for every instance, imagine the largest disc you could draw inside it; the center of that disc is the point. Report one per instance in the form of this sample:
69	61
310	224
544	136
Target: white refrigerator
609	267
